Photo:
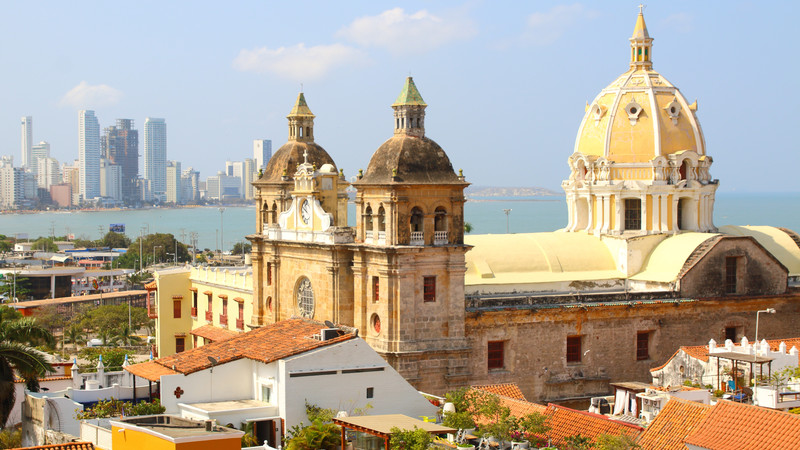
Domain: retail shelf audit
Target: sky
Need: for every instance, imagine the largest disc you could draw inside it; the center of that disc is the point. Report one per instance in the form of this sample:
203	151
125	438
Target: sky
506	83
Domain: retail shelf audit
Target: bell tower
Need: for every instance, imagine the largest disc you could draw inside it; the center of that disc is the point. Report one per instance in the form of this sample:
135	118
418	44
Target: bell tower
408	271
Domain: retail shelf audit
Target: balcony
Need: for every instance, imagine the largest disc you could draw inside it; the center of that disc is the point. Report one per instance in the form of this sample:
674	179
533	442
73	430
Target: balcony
440	238
223	320
240	324
417	238
368	235
209	317
193	312
152	311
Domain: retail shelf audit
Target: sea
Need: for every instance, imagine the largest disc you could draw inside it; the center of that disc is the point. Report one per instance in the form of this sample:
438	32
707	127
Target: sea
487	216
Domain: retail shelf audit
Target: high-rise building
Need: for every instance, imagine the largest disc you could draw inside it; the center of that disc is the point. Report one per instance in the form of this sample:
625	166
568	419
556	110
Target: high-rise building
48	173
89	154
174	191
71	174
38	151
110	180
249	174
155	154
190	180
27	141
12	189
121	146
262	152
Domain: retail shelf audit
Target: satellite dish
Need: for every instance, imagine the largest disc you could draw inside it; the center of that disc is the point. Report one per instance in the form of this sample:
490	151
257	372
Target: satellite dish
329	324
213	360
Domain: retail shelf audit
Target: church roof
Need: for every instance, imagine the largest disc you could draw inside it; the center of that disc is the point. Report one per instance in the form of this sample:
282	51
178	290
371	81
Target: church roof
640	29
290	155
301	108
783	244
538	258
667	259
409	159
409	95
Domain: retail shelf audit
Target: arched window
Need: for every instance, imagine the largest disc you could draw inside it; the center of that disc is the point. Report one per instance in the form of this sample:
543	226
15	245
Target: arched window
308	131
301	132
416	220
381	219
274	218
440	220
368	219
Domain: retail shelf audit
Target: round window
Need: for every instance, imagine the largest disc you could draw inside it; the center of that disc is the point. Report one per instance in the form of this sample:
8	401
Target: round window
633	110
305	299
376	323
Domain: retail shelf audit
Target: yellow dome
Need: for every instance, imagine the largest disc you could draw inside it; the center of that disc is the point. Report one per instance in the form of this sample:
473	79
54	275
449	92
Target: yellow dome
640	115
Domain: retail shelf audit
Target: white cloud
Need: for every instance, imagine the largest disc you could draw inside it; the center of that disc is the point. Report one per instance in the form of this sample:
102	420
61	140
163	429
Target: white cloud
399	32
85	95
298	62
545	28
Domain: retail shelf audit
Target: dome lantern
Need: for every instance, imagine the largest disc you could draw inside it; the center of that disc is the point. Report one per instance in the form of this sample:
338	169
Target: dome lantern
409	111
301	121
641	45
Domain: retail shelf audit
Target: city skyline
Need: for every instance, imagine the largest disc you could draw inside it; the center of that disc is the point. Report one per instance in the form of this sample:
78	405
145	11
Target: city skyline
519	75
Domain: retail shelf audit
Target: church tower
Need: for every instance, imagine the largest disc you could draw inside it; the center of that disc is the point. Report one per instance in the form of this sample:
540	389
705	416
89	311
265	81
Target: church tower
408	271
639	165
300	266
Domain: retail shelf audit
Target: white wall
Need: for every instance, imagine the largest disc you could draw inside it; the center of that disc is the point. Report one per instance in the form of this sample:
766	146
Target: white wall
231	381
347	391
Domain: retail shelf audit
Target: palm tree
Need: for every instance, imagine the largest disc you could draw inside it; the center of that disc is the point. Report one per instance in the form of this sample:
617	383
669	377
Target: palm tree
74	334
17	356
125	336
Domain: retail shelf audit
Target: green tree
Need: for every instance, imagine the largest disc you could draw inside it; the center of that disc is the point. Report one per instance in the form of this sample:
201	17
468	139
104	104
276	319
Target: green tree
116	240
155	245
616	442
107	321
51	318
74	334
467	227
577	442
316	436
15	286
240	248
416	439
45	244
17	355
113	358
116	408
10	438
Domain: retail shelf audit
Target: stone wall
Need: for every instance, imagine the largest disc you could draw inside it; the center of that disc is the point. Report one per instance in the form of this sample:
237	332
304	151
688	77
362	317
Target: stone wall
535	339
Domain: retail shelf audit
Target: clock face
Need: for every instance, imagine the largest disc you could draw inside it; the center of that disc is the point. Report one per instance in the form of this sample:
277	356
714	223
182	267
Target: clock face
305	212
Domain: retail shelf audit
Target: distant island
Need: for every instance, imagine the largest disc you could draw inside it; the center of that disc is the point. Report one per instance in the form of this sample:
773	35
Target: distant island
506	192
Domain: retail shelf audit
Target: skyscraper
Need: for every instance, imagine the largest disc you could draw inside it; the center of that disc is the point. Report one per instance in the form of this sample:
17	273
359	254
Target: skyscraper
262	152
121	147
39	151
174	191
249	174
27	141
155	154
89	154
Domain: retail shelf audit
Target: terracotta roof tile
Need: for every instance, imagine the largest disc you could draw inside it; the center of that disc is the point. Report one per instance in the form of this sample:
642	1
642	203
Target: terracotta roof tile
565	422
66	446
270	343
151	286
732	425
671	426
149	370
213	334
506	389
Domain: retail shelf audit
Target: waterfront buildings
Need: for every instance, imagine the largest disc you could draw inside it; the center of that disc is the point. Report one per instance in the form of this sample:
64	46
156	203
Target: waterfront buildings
48	173
39	151
121	147
190	180
110	180
89	155
27	141
262	152
155	155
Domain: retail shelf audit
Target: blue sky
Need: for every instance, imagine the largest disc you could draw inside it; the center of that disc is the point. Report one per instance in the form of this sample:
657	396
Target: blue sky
506	82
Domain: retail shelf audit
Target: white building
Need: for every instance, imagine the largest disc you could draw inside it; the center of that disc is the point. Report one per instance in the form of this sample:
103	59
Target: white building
48	172
27	141
39	151
249	174
222	186
174	190
89	154
155	154
12	188
262	152
268	375
190	180
110	180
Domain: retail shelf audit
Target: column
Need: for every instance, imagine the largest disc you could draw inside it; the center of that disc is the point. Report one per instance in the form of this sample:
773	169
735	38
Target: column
644	212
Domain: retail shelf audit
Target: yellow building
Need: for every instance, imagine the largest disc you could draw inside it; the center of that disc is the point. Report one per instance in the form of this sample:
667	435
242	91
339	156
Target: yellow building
165	432
640	165
197	305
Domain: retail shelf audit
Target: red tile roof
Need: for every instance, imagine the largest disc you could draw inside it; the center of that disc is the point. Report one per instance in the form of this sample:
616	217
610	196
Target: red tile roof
267	344
673	424
213	334
506	389
149	370
732	425
66	446
565	422
151	286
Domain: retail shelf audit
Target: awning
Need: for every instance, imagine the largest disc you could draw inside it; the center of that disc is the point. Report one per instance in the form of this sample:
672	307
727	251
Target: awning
149	370
213	333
